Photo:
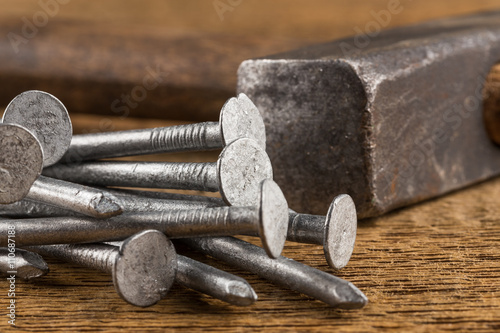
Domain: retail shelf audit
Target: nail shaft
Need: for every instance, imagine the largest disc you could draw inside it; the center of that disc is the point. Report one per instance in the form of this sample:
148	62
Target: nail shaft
282	271
237	174
74	197
129	202
68	230
21	161
202	136
190	176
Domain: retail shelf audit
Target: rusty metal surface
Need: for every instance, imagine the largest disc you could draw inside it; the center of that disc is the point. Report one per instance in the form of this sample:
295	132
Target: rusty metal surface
391	120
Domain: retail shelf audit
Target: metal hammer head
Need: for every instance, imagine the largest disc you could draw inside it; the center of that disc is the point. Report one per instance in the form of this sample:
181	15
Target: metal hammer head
241	167
391	119
21	162
145	268
240	118
46	117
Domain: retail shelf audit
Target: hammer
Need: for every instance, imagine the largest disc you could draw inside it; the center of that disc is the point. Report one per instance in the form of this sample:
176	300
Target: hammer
403	116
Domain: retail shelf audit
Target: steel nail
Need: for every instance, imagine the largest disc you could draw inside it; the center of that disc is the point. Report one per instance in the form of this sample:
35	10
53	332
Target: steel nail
269	219
143	267
336	231
21	162
130	201
212	281
237	174
239	118
282	271
24	264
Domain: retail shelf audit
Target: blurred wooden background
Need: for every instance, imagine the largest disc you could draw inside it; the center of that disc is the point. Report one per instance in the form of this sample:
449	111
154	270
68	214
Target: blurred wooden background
431	267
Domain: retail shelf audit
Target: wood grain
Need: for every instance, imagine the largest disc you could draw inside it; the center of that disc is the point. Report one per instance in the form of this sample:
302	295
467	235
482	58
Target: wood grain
431	267
90	55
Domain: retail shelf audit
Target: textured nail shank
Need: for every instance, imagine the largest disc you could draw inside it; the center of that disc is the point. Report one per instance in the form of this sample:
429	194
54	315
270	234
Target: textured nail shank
46	117
239	118
26	265
193	176
336	231
282	271
240	169
143	267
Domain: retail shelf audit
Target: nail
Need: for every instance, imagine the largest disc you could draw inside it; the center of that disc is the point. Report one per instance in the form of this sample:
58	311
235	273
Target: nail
212	281
282	271
130	201
21	162
143	267
21	263
269	220
46	118
239	118
336	231
237	174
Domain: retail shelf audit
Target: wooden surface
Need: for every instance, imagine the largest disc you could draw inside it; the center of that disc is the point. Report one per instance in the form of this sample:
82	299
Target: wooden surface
431	267
91	54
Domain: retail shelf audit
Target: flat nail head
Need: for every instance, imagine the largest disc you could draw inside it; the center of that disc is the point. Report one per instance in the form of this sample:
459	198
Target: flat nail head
46	117
240	118
273	218
145	268
242	166
340	231
21	162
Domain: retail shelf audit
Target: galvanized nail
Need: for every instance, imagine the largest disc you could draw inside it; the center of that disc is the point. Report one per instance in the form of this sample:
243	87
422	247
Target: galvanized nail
239	118
46	118
269	219
21	263
237	174
336	231
282	271
143	267
211	281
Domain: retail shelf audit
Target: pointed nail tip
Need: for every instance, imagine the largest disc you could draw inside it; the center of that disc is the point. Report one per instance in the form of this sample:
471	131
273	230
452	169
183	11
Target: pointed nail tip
107	207
357	300
31	272
33	267
241	294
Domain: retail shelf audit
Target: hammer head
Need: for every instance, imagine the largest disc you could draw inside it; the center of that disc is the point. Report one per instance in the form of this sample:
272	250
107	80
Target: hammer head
391	119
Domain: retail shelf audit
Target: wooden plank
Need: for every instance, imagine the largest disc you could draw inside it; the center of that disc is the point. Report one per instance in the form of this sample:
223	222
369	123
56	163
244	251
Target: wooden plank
431	267
92	55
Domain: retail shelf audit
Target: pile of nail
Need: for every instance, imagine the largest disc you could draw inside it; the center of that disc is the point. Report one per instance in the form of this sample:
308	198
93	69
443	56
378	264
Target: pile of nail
59	198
